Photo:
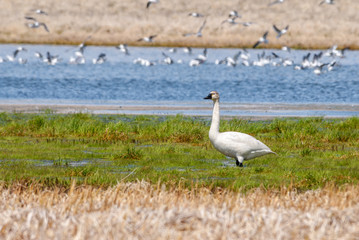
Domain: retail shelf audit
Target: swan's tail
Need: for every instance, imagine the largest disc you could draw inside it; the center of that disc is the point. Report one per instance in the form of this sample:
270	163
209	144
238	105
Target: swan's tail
271	152
259	153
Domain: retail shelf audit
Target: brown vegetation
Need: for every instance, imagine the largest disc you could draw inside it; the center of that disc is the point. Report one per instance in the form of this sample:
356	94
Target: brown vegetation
143	211
112	22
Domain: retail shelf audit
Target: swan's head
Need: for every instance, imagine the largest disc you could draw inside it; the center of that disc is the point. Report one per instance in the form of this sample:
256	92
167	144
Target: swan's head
213	95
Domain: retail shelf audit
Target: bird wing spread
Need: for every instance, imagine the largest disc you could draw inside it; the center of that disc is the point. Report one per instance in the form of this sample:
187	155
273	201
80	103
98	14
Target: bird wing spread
276	29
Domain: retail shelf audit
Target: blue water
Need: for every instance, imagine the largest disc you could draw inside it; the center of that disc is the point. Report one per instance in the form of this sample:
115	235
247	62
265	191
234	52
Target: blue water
120	80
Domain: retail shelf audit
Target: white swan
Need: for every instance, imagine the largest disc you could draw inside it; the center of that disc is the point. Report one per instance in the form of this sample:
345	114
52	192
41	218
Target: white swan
238	145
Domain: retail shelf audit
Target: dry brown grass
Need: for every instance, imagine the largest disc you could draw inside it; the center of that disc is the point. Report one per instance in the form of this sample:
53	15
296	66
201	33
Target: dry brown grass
113	22
143	211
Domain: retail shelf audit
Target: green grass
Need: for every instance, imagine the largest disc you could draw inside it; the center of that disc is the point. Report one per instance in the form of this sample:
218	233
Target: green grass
56	149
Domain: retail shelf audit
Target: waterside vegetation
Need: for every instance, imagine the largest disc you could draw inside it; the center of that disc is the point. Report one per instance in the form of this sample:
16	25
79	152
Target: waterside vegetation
139	210
101	150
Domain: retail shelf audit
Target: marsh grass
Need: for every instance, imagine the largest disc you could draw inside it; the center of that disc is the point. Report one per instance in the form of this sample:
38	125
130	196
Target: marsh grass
140	210
112	22
55	149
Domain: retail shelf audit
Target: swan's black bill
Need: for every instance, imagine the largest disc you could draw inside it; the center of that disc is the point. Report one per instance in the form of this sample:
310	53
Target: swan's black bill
208	97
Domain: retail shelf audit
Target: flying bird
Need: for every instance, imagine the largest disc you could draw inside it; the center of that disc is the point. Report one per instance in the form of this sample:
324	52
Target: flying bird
246	24
147	39
80	52
187	50
199	32
151	2
83	45
168	60
19	49
331	2
262	39
195	14
280	32
100	59
331	65
36	24
286	49
231	21
305	61
51	59
123	48
319	69
203	56
275	2
39	55
15	53
234	14
200	59
40	12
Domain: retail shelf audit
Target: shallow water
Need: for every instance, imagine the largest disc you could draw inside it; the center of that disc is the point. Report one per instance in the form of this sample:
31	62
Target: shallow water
121	82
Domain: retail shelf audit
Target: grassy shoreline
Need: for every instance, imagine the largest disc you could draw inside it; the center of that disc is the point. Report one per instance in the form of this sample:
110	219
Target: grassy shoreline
182	45
55	149
84	176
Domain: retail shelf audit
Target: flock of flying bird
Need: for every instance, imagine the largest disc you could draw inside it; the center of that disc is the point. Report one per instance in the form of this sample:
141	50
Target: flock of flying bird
242	57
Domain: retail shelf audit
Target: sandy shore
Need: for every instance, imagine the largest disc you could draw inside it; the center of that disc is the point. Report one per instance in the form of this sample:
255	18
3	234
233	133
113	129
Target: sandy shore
113	22
247	110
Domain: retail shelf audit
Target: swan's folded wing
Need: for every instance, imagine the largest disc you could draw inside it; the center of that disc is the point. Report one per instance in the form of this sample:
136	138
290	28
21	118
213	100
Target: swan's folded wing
239	137
244	141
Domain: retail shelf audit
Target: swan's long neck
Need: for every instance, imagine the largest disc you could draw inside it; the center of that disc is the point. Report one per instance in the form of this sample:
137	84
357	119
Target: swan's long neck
214	130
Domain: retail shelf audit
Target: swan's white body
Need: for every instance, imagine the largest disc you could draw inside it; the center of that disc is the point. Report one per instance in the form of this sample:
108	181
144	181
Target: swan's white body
238	145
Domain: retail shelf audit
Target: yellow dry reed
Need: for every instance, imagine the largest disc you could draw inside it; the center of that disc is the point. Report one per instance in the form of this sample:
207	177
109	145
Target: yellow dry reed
113	22
142	211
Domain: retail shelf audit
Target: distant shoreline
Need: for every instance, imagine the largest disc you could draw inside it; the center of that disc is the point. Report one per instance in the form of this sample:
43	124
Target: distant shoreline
134	44
253	111
311	26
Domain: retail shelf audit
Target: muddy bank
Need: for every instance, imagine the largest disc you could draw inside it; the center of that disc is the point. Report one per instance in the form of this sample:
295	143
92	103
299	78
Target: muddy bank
243	110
